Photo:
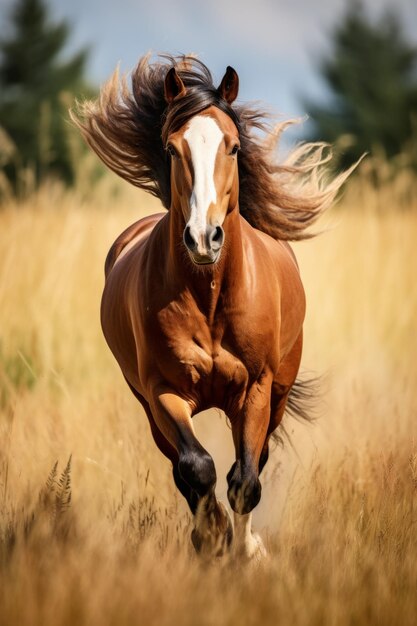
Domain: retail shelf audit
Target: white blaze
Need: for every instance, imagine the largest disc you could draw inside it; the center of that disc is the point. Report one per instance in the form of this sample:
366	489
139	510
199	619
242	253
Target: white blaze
203	137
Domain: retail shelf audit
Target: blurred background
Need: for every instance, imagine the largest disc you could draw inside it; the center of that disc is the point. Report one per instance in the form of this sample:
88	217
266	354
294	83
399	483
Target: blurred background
92	531
350	65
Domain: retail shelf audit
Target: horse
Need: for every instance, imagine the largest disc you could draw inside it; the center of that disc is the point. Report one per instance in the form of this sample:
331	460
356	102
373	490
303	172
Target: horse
203	305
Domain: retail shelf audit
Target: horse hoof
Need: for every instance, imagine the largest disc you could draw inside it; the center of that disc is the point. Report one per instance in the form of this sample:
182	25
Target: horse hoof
213	533
252	549
258	551
196	540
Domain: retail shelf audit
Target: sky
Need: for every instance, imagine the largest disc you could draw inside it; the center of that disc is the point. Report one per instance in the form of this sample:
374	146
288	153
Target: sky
274	45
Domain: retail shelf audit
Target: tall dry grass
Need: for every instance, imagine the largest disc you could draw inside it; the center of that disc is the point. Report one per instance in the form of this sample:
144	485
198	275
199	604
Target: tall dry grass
102	538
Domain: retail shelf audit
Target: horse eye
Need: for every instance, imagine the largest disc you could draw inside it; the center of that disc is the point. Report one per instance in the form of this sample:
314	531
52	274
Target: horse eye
234	149
171	150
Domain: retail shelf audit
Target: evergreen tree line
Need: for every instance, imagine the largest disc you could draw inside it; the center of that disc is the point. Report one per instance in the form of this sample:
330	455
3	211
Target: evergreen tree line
371	77
370	73
37	86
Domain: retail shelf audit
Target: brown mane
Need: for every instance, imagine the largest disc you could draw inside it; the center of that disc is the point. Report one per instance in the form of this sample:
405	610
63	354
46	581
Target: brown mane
127	129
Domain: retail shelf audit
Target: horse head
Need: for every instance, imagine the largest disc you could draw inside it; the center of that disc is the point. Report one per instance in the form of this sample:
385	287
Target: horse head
204	170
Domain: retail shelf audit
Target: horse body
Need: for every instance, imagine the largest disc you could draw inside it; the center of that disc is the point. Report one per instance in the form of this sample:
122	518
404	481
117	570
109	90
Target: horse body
203	306
207	335
222	337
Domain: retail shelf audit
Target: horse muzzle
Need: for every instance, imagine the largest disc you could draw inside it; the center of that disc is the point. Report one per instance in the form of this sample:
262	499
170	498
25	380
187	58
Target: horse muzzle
204	248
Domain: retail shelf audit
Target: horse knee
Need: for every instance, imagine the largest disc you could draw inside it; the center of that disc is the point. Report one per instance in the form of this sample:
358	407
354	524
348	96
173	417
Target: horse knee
196	467
244	491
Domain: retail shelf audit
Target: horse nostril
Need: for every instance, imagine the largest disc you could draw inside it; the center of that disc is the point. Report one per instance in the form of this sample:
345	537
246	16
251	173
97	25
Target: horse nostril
218	234
216	237
189	239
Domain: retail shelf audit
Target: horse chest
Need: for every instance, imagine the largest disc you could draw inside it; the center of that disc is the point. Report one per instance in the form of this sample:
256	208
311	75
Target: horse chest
210	364
213	377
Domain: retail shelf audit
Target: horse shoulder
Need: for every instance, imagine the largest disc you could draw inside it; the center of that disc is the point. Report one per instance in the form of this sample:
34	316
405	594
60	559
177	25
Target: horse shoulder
291	296
130	237
276	293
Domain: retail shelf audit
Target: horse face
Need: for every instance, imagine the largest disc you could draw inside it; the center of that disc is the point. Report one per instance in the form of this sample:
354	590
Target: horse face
204	180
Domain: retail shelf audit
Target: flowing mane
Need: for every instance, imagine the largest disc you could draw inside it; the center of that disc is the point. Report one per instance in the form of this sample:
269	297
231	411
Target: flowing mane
127	129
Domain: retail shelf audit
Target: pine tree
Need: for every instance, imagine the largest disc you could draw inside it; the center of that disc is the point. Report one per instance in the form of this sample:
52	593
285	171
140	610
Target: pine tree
33	84
371	76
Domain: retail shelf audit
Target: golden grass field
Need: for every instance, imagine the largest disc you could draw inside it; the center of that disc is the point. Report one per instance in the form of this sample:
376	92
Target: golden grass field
105	540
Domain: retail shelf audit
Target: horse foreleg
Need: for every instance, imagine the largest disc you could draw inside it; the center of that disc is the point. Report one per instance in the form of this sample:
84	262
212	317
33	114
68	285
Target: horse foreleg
169	451
249	430
213	532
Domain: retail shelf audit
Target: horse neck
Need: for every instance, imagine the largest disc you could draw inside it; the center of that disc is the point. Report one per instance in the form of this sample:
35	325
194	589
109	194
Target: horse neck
207	284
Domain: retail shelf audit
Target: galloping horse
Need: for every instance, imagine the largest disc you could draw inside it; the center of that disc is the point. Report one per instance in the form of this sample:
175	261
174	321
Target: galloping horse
203	305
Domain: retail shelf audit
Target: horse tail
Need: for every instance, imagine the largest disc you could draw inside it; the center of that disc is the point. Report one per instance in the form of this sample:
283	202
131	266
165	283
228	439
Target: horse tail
301	405
302	399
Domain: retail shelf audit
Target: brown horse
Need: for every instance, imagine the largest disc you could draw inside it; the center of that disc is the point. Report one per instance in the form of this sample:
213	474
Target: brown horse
203	305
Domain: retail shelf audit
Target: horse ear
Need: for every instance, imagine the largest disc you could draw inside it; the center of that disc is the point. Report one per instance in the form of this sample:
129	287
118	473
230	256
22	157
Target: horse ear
229	86
173	86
